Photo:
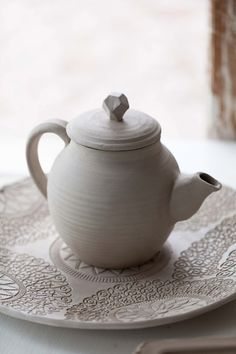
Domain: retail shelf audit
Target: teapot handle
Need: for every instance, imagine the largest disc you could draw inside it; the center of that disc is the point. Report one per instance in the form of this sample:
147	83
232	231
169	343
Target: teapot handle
56	126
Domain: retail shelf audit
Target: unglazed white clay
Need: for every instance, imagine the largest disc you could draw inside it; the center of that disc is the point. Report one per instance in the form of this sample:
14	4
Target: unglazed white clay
115	206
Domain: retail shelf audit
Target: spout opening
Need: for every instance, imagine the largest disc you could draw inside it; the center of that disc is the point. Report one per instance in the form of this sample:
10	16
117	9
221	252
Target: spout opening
209	180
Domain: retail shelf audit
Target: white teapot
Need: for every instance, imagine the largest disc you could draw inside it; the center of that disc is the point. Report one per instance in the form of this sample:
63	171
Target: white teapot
115	192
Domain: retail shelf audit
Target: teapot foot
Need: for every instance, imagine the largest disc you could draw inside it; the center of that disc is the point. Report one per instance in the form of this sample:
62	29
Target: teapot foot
63	257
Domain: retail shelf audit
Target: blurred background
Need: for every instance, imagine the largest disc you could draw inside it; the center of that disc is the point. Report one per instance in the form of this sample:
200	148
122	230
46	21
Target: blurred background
174	59
62	57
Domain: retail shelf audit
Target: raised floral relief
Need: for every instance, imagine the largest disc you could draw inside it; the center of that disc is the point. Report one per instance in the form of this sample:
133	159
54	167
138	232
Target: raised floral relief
198	276
20	198
168	298
24	215
66	260
203	257
213	210
228	267
202	273
31	285
147	311
9	287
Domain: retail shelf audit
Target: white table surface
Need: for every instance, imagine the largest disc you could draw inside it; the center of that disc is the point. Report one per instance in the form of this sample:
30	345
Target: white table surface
17	336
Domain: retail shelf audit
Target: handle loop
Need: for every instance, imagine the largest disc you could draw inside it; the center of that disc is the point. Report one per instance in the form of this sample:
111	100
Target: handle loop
56	126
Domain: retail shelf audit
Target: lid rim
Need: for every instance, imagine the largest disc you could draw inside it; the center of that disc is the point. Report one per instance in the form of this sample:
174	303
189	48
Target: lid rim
114	147
95	130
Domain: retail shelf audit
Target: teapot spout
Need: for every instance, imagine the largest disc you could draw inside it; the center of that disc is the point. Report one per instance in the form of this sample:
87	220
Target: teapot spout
188	194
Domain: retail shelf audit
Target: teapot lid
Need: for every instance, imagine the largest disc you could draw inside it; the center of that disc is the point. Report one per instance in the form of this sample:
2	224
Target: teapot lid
115	128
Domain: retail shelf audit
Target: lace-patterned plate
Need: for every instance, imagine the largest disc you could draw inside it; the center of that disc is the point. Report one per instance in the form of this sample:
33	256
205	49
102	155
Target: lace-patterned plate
41	280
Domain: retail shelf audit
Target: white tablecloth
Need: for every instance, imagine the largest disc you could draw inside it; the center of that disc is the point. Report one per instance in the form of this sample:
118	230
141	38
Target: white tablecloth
16	336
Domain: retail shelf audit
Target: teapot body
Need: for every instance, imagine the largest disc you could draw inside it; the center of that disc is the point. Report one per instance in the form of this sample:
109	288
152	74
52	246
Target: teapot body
112	208
115	192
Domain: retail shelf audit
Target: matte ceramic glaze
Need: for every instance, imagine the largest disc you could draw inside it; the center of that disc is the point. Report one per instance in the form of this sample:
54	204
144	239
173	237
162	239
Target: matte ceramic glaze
199	251
104	204
115	208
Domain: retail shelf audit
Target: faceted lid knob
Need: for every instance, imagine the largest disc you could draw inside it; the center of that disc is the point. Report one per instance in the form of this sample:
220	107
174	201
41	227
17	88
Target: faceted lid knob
115	127
115	105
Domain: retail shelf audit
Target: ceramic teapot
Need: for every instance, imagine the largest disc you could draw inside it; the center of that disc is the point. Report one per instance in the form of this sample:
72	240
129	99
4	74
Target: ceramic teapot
115	191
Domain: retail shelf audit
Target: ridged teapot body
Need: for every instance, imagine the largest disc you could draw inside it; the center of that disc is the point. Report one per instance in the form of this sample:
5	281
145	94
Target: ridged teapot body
112	208
115	192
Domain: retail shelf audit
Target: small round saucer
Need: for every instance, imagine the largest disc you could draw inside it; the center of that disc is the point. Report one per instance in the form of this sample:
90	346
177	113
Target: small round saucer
41	280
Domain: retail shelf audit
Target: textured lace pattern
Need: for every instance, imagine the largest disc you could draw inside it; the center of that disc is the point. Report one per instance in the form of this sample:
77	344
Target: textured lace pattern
41	278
